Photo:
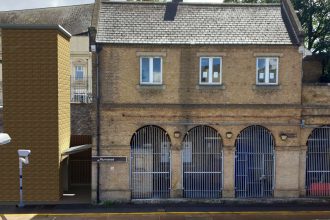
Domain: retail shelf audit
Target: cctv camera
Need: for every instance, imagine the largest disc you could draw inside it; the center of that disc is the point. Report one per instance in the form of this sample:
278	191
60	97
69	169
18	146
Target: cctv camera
24	153
4	138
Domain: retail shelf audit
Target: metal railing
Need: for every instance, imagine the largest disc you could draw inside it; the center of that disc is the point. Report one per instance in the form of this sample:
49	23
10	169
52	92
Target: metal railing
81	90
202	163
318	163
254	163
150	163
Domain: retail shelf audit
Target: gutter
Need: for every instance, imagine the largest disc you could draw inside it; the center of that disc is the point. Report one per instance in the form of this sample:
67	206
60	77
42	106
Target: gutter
95	48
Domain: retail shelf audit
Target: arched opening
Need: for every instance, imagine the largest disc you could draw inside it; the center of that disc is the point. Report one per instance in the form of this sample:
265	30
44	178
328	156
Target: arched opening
150	163
254	163
318	163
202	163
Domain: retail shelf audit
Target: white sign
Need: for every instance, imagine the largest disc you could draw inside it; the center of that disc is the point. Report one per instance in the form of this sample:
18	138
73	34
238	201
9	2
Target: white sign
187	152
216	74
271	75
204	74
261	75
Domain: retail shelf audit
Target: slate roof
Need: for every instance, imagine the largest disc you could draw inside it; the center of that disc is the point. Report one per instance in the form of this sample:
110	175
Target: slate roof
188	23
75	19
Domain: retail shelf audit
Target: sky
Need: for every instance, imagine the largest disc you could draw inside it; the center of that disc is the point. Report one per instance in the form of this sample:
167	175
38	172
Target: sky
6	5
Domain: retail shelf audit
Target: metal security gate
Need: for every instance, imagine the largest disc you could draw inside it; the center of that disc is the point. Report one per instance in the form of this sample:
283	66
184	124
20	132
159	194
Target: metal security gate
150	163
202	163
318	163
254	163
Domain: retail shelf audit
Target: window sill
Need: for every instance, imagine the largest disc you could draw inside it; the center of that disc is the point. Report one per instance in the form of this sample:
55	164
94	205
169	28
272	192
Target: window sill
266	87
80	103
150	86
316	84
211	86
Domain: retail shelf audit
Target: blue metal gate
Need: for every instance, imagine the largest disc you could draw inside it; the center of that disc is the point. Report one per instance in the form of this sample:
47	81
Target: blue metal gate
254	163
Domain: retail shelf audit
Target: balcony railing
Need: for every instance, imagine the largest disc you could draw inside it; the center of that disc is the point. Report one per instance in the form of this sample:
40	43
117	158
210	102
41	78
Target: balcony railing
81	90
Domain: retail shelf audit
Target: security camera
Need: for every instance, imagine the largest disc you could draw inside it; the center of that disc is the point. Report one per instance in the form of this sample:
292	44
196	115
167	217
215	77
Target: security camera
23	157
24	153
4	138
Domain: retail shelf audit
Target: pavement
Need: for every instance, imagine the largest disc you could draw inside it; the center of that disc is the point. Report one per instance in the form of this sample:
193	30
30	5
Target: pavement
186	211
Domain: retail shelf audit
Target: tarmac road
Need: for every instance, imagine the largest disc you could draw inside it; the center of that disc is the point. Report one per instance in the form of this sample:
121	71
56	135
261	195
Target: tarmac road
256	215
305	211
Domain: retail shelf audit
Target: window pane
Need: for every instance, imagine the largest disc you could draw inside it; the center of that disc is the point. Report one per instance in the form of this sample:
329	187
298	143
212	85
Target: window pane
216	70
261	70
79	73
272	70
145	70
204	70
157	70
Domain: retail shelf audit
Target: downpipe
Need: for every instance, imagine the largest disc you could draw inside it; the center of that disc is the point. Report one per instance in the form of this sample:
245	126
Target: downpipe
98	97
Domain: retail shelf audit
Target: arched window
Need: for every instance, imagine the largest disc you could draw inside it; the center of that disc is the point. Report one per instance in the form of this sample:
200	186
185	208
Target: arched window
254	163
150	163
318	163
202	163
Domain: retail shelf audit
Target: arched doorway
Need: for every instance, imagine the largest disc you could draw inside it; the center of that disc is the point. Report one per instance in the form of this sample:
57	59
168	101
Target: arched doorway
202	163
318	163
150	163
254	163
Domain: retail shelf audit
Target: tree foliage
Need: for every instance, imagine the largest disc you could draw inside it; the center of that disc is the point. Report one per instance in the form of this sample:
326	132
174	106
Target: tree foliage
314	16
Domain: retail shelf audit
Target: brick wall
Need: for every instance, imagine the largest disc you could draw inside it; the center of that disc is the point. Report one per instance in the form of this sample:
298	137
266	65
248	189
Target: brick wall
36	113
312	69
120	72
81	122
181	104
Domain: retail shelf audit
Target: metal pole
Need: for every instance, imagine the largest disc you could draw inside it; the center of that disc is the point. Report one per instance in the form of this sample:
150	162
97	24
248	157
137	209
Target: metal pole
21	203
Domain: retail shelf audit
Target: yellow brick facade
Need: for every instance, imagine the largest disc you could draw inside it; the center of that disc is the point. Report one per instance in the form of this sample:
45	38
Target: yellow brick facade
36	71
180	104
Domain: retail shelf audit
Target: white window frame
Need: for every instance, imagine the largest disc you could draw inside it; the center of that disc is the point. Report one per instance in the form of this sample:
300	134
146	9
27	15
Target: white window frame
210	73
75	72
151	70
267	71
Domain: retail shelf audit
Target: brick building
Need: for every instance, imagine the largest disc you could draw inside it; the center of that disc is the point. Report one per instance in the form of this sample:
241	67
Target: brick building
75	168
193	100
36	58
76	19
206	101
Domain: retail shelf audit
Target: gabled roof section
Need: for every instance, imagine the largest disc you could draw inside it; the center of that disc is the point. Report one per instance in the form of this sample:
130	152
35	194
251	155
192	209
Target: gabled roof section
189	23
75	19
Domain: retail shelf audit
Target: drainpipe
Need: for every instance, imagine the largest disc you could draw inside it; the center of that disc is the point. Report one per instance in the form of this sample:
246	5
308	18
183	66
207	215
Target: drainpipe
95	48
98	98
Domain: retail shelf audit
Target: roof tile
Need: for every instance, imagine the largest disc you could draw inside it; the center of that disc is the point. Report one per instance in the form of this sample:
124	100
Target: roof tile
202	24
